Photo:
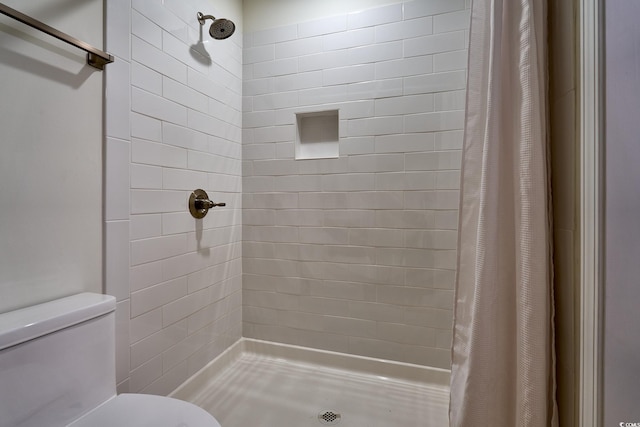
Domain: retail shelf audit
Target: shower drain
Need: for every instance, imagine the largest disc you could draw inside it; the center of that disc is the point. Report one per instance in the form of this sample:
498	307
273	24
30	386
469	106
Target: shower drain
329	418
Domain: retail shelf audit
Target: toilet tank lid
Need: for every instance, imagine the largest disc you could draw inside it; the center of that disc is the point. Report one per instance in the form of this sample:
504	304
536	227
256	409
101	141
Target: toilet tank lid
35	321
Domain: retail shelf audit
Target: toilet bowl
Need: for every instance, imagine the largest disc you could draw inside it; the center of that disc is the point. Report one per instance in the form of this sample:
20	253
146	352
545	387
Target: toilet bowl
57	368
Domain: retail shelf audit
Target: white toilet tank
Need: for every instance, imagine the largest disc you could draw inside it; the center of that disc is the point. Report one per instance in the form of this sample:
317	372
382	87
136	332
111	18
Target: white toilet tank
57	360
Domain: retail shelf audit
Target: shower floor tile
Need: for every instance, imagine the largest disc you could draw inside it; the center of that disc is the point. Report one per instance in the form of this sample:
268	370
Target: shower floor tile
264	391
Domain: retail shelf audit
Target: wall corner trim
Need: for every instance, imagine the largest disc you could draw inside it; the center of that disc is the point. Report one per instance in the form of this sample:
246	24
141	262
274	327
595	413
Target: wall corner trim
591	106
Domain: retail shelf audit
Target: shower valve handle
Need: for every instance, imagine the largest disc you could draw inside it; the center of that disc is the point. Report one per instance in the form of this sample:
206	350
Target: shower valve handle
207	204
199	204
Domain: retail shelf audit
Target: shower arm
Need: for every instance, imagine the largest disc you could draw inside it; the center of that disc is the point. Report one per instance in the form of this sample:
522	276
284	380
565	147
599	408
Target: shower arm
203	18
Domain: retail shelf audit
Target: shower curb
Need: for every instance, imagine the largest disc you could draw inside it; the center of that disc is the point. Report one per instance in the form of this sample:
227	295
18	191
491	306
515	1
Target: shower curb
252	348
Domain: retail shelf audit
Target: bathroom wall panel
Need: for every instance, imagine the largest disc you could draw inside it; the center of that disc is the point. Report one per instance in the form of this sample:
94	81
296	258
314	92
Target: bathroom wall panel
357	253
51	163
182	104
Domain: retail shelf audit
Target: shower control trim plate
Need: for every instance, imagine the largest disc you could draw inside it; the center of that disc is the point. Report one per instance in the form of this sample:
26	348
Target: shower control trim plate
199	204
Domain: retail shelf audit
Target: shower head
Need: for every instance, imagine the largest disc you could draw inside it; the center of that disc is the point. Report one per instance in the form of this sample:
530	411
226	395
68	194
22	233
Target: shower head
220	28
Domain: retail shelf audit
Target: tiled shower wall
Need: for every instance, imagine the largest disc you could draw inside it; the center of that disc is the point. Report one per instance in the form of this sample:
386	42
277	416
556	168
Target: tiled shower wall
173	124
357	253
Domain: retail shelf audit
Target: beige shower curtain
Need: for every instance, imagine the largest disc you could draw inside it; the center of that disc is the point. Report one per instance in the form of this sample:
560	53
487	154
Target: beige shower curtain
502	358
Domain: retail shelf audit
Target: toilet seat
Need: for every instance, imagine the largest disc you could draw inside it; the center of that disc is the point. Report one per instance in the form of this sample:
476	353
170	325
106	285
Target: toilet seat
144	410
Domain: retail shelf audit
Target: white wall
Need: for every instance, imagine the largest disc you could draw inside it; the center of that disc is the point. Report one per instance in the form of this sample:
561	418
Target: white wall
50	167
173	125
356	254
622	209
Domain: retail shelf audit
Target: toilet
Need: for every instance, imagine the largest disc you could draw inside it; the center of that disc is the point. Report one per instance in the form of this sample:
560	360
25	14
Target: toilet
57	368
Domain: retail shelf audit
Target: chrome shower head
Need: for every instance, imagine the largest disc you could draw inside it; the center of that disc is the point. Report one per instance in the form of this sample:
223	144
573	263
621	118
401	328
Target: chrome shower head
220	28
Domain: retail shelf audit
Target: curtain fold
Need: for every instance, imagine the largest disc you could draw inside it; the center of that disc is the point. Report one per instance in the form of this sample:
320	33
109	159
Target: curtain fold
503	371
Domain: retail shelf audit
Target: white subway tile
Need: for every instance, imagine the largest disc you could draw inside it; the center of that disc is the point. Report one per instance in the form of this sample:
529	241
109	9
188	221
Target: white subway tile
348	182
176	179
299	217
404	29
431	278
374	89
145	275
349	218
422	180
448	180
402	143
405	219
375	16
344	290
357	145
351	74
146	127
324	235
257	54
431	199
404	105
156	296
376	311
300	47
146	78
257	86
406	334
155	106
404	67
205	123
322	95
145	226
152	153
279	67
144	325
157	60
418	8
438	121
157	248
271	234
452	21
297	81
177	222
375	237
440	82
376	163
347	39
436	43
145	374
185	306
274	134
184	137
145	29
375	126
450	61
431	239
184	95
179	48
147	177
451	140
275	35
454	100
155	344
322	26
292	183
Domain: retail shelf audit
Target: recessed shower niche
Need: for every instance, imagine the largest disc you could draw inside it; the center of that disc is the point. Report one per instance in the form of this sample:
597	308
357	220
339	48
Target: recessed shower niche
317	135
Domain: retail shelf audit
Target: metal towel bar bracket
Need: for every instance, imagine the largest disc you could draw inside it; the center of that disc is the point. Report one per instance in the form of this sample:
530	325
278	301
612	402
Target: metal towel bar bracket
95	57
